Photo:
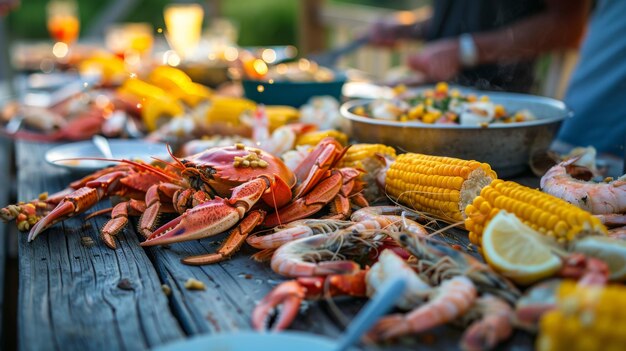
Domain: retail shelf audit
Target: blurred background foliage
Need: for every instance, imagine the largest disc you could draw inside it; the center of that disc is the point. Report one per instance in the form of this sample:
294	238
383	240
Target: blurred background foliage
260	22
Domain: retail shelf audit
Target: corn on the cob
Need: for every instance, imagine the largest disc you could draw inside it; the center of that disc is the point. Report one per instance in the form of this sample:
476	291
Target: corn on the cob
439	186
367	157
543	212
111	68
142	90
586	318
227	110
179	84
313	138
168	77
156	112
279	115
360	155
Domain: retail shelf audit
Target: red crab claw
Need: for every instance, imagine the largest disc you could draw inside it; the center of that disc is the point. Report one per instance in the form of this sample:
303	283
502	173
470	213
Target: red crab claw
313	168
234	241
305	206
288	296
210	218
77	202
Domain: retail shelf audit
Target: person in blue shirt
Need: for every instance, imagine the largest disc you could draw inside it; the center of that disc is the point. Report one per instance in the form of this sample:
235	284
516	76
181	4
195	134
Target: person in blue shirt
597	89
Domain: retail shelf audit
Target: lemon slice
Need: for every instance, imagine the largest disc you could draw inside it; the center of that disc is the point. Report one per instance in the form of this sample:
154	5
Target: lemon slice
516	250
610	250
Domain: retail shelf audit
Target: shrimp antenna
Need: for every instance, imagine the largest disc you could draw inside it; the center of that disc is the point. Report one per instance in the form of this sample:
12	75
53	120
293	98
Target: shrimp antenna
139	165
176	164
169	151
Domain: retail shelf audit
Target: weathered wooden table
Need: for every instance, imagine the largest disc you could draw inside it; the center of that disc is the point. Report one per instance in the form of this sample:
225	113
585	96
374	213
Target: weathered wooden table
79	297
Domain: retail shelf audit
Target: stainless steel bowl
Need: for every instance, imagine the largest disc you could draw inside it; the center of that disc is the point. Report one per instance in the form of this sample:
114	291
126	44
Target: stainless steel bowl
506	147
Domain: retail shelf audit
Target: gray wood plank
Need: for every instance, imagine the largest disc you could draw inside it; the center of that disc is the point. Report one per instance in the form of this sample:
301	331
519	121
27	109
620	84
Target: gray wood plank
70	295
232	290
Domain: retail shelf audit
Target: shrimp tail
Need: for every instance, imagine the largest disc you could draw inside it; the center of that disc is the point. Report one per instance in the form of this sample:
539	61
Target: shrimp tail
451	300
288	296
494	326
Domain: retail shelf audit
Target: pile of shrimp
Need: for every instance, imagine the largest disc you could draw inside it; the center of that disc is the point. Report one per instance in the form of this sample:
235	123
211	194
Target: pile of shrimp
571	181
356	257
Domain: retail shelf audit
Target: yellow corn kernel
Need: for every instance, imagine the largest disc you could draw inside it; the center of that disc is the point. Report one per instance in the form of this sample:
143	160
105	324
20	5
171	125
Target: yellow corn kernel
431	117
359	110
416	111
499	111
543	212
439	186
367	157
441	87
399	89
585	318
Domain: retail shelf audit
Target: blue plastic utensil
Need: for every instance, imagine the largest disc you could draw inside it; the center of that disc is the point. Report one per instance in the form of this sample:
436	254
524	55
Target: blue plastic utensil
380	303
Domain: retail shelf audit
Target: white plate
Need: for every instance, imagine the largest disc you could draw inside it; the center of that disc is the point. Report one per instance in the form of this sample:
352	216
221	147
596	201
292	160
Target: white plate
248	340
65	155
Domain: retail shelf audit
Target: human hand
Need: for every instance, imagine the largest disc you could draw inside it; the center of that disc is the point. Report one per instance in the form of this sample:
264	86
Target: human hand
7	5
384	33
439	60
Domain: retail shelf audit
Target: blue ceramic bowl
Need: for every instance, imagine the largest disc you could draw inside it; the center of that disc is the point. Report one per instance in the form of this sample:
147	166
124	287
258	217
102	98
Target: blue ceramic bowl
293	94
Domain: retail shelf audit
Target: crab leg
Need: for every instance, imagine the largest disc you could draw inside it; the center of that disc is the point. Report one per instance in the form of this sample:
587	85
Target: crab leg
212	217
309	204
157	198
289	296
314	167
78	202
119	219
232	244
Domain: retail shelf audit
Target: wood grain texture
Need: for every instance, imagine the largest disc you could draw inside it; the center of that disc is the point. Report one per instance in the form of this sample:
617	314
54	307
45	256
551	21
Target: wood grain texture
70	294
70	298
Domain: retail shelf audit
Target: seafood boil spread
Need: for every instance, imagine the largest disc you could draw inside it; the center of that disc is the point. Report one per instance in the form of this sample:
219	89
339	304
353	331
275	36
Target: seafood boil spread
333	216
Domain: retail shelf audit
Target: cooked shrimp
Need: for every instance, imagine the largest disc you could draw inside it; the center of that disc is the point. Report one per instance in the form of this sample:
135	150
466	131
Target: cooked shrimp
391	218
322	254
494	325
365	219
451	300
438	261
295	230
597	198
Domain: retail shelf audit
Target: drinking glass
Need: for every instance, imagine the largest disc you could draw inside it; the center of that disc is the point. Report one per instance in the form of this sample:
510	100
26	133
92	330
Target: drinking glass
62	21
184	27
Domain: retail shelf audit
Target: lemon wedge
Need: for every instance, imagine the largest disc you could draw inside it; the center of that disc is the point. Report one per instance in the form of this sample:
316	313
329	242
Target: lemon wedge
610	250
516	250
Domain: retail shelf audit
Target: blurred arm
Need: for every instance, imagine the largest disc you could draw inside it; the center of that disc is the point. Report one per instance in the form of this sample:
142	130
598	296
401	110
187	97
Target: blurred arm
402	25
560	26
